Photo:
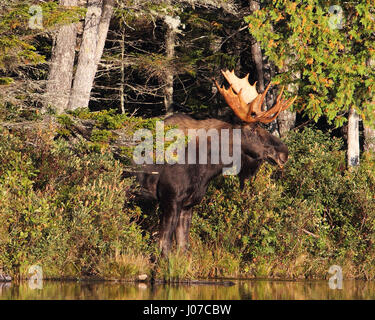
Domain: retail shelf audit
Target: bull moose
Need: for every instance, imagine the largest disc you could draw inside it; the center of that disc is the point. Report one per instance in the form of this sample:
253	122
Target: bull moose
179	187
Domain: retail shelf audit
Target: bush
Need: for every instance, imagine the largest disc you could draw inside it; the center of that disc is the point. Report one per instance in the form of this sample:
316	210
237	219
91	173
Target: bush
63	208
66	208
298	222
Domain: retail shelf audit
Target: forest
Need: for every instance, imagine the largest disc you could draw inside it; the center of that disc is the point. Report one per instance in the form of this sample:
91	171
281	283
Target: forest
79	77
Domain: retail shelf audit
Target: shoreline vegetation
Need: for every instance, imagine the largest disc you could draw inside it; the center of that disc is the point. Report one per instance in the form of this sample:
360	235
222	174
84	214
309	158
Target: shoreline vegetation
64	206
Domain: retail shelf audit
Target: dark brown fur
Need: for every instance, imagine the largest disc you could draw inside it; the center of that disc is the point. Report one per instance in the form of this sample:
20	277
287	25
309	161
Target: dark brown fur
179	187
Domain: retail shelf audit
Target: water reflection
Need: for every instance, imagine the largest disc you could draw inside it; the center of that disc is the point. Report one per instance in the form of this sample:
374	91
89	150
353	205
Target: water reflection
242	290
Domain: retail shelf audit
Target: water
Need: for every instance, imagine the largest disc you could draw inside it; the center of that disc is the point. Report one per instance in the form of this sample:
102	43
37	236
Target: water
241	290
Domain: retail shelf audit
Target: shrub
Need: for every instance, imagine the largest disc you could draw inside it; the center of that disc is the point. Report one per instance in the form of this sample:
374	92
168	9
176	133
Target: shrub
296	222
66	208
63	208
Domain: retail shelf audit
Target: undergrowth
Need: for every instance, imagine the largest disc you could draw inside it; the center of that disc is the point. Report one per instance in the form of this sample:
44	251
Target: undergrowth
65	207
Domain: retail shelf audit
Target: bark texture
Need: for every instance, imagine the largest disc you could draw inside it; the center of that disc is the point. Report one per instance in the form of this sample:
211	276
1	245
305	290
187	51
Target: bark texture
369	139
61	68
353	139
287	119
170	43
97	21
256	52
368	131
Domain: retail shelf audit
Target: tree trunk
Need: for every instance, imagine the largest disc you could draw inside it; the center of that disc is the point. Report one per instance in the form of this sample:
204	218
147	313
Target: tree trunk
97	21
353	139
257	55
122	84
256	52
103	28
170	43
287	119
61	68
370	132
369	139
215	46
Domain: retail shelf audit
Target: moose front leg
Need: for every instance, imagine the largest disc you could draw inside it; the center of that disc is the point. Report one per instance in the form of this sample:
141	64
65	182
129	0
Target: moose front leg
183	229
171	211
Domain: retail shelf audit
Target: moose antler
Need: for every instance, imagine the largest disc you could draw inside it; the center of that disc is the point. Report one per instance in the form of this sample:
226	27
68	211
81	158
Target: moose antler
246	102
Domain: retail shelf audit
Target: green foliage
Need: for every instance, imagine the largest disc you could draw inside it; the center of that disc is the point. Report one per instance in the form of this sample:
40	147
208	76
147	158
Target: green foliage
111	120
294	223
65	120
63	209
16	47
107	120
6	81
101	136
175	268
13	112
330	54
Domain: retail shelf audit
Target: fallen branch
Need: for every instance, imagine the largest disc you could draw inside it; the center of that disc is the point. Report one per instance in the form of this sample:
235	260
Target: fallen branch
310	233
79	129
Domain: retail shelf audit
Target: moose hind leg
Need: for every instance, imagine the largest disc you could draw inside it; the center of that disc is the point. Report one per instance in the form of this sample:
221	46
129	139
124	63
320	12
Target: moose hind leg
168	222
183	229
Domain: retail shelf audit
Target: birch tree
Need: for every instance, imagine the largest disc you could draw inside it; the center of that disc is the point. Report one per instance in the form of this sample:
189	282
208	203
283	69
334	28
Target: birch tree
98	16
62	62
170	42
353	138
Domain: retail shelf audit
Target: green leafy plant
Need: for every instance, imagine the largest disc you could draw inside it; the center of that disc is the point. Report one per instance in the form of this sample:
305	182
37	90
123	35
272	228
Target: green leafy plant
331	56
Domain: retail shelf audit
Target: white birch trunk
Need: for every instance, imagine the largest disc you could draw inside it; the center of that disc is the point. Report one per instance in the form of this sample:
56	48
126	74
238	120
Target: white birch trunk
107	12
97	21
122	85
170	43
353	139
62	62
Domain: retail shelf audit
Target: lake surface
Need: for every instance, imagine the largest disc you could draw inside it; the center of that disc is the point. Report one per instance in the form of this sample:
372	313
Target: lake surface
241	290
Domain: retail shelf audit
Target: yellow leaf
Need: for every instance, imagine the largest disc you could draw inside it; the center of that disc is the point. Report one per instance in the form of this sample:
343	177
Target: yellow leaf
293	6
280	17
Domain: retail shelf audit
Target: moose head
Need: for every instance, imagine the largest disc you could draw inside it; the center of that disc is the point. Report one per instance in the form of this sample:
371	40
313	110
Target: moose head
258	145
